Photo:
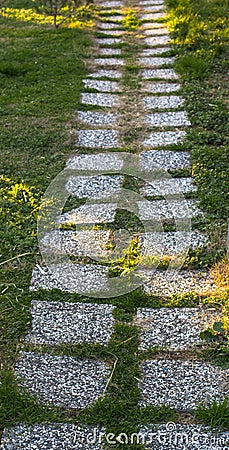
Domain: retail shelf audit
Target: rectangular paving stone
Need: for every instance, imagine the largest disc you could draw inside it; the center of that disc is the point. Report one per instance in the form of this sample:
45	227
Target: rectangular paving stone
164	159
97	118
80	278
155	51
111	32
96	162
170	243
110	51
114	18
163	74
156	62
160	88
154	7
153	16
168	186
156	32
168	119
111	4
166	283
107	100
168	209
102	85
54	323
109	62
97	138
53	436
182	384
180	437
156	41
151	2
90	214
111	73
174	329
163	102
62	380
148	25
99	186
107	41
108	25
90	243
163	138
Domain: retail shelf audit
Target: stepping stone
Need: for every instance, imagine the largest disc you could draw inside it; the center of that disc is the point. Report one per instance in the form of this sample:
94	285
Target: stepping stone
108	25
97	138
163	102
110	4
52	437
156	62
149	25
110	51
168	186
96	162
82	279
164	159
89	214
154	7
91	243
107	41
179	437
99	186
97	118
62	380
111	32
168	209
114	18
182	384
109	61
170	243
157	40
55	323
168	119
151	2
101	85
166	283
155	51
167	74
158	88
173	329
156	32
163	138
153	16
106	74
108	100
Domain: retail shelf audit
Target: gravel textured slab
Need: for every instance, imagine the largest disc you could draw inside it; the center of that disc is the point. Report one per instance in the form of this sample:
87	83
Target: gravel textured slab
156	62
111	4
108	25
54	323
62	380
170	243
91	243
163	138
97	118
175	329
168	119
156	32
154	51
168	209
108	100
99	161
102	85
182	437
163	102
152	16
111	32
95	186
168	186
82	279
154	41
166	283
154	7
106	74
164	159
107	41
160	88
163	74
182	384
50	437
148	25
110	51
109	62
97	138
151	2
90	214
114	18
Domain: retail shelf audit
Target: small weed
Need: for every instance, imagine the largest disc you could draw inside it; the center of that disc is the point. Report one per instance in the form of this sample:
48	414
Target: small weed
215	415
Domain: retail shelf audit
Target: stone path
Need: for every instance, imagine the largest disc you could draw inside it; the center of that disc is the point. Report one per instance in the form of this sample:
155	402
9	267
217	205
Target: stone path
158	106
